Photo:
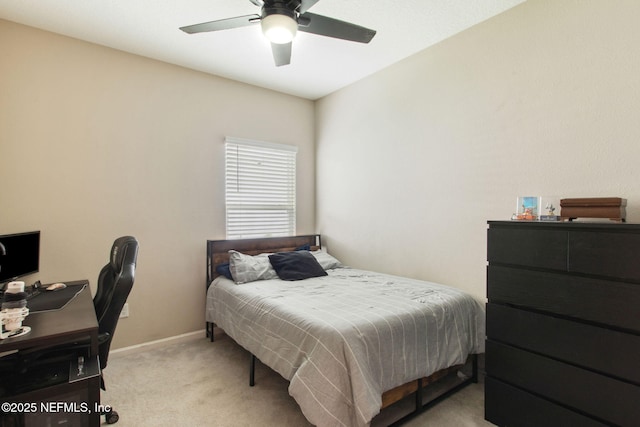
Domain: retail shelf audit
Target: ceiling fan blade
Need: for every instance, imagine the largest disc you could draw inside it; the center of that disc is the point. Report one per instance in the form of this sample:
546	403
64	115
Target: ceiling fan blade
306	5
281	53
324	26
222	24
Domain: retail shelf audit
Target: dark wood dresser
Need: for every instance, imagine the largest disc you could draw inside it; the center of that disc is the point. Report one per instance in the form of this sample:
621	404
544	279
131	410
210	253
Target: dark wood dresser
563	324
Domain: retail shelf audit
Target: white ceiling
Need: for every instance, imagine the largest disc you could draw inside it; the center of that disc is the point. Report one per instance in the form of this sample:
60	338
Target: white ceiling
319	65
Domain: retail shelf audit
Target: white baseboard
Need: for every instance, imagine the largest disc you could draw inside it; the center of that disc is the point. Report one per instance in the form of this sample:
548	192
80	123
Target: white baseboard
157	343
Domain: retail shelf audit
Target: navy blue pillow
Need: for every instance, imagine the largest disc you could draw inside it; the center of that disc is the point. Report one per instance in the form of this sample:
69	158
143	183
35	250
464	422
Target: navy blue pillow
296	265
305	247
224	270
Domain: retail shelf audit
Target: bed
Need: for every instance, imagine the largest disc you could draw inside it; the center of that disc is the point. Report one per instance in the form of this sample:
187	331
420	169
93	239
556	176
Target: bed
350	342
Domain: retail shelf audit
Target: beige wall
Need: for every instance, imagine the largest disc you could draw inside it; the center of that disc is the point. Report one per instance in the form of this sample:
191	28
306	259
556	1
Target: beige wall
541	100
96	143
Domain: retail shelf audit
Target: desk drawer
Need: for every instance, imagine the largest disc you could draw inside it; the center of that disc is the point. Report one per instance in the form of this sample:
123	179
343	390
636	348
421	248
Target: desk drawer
604	350
506	405
579	389
606	302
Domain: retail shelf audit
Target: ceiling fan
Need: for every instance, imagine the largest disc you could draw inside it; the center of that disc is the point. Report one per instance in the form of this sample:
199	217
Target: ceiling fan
280	20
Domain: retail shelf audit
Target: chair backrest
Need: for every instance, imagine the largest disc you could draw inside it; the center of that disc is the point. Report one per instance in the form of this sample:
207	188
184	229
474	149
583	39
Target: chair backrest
114	284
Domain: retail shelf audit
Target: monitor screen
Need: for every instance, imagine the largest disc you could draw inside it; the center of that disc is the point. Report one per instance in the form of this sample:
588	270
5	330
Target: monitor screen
22	255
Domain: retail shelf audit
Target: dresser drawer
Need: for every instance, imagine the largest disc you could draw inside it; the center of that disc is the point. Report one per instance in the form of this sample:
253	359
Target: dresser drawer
506	405
605	302
605	254
528	247
604	350
578	389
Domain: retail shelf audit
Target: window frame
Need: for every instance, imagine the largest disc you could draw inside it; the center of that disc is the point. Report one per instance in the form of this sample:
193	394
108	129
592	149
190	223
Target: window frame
260	188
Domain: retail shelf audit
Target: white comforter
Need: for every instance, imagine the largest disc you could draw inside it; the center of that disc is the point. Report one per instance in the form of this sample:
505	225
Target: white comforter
344	339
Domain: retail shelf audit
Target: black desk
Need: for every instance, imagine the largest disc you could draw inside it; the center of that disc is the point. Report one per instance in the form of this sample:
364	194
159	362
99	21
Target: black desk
75	322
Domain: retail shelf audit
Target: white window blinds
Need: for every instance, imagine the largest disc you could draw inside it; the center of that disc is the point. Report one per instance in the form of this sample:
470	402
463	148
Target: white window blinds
260	189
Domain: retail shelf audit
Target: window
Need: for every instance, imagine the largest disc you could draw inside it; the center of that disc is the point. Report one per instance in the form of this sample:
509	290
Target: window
260	189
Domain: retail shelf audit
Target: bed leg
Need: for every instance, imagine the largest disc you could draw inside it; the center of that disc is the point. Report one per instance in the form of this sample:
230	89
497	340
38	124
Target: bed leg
252	371
419	396
474	368
209	328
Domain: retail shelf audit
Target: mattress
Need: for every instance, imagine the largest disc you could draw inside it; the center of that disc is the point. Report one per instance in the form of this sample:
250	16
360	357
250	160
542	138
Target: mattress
343	339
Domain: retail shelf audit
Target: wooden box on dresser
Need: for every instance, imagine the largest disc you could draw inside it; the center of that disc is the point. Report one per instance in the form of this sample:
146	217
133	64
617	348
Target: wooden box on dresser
563	324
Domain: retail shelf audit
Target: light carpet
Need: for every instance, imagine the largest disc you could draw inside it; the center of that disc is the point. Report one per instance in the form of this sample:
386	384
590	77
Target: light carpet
199	383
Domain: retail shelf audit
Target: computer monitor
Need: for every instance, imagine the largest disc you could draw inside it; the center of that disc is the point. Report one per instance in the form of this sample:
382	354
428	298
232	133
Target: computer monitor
22	255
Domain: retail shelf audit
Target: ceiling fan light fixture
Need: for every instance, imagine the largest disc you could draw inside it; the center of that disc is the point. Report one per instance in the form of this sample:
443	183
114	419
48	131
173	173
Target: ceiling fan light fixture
279	29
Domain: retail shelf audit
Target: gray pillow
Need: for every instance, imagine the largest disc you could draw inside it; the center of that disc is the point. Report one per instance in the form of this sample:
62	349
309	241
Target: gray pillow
325	260
247	268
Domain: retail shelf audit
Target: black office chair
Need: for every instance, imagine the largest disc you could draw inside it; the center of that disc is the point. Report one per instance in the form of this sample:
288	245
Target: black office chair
114	284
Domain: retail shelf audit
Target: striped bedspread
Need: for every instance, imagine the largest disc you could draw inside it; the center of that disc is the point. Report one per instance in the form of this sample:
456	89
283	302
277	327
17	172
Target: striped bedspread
344	339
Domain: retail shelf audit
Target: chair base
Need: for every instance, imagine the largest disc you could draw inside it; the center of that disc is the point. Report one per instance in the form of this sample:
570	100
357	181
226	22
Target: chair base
111	416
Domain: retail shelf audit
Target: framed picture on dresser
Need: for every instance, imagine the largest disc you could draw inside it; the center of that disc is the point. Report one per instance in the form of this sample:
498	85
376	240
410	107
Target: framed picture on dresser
527	208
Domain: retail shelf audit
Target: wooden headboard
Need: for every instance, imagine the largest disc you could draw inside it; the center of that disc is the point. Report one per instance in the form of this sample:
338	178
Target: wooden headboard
218	250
